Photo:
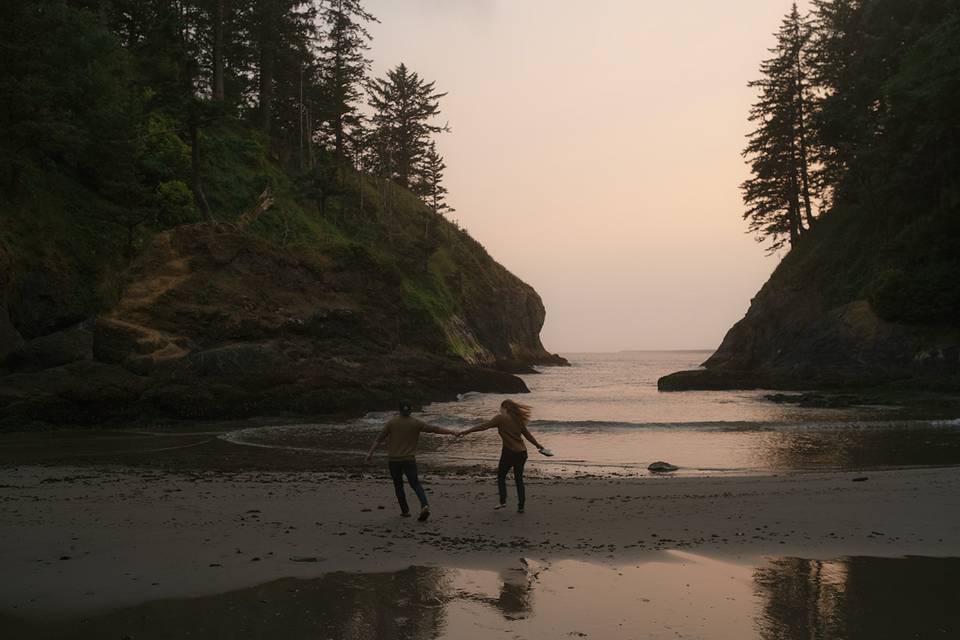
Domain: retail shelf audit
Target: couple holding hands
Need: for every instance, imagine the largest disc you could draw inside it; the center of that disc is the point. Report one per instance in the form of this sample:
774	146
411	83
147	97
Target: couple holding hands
403	432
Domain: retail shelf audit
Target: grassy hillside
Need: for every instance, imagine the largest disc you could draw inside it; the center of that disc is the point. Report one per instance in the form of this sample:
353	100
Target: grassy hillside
344	295
65	229
906	267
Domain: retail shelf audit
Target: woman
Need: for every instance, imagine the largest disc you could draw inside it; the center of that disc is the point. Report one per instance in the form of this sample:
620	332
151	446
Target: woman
511	424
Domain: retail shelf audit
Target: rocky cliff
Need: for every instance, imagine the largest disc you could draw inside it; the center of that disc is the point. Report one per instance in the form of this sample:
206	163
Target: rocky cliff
858	304
212	320
790	339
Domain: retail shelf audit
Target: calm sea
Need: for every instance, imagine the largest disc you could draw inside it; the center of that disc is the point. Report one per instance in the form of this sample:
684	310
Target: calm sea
604	416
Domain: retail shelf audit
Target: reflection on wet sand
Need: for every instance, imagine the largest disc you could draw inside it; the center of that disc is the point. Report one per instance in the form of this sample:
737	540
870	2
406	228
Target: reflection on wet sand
859	598
859	447
516	590
406	605
674	595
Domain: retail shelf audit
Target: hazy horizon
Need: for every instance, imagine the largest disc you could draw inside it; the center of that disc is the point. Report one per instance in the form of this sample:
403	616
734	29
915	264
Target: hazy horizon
596	154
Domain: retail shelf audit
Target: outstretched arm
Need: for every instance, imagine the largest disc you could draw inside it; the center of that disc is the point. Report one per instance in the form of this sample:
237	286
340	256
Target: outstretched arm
376	443
429	428
480	427
529	436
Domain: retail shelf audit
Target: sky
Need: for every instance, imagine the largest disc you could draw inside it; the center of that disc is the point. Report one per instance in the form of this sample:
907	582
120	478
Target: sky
595	153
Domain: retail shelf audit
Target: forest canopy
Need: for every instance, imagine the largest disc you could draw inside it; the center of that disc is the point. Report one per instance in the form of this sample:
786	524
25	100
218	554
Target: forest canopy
144	101
857	143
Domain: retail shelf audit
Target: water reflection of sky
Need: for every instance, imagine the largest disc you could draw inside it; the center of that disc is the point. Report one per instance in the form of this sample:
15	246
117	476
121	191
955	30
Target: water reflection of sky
672	595
609	449
604	415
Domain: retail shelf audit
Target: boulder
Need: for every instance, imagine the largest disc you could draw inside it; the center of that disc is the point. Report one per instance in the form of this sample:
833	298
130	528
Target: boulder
10	338
661	467
54	350
238	360
80	392
709	379
44	301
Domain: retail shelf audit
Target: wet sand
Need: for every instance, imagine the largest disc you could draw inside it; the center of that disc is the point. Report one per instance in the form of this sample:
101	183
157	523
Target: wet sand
85	540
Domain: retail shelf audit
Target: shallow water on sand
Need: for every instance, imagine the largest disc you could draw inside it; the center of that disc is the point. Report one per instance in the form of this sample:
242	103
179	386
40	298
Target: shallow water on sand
604	416
671	595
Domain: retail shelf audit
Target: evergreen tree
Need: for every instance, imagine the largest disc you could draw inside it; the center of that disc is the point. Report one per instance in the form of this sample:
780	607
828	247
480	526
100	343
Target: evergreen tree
69	104
429	182
779	193
285	32
219	18
857	48
403	105
839	111
343	67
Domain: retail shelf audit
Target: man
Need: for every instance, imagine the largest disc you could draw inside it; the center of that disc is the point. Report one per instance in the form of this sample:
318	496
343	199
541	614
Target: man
402	434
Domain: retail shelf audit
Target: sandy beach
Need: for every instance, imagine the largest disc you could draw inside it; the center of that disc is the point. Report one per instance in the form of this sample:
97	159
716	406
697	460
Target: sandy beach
82	540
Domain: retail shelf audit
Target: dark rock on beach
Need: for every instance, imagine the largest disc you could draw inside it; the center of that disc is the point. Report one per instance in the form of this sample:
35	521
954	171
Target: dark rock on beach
792	339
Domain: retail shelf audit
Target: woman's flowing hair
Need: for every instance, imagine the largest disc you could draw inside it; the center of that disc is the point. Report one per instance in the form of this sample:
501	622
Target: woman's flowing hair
517	411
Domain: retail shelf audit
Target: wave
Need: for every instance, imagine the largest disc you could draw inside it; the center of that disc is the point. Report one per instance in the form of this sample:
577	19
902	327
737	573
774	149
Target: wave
946	423
586	426
373	422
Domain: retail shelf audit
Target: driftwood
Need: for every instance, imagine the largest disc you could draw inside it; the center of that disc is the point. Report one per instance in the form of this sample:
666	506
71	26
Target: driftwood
264	202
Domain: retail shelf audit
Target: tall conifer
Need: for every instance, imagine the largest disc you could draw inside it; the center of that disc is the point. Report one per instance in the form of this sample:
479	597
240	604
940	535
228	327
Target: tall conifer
779	194
429	182
343	67
403	106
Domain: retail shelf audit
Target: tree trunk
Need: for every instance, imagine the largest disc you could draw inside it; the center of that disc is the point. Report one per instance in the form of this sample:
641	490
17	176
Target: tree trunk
311	160
267	54
802	135
805	177
218	18
338	115
301	116
199	199
795	224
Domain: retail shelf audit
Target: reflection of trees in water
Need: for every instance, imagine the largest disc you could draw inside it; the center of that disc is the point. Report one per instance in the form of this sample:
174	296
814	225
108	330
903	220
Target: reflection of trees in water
800	598
855	447
859	597
406	605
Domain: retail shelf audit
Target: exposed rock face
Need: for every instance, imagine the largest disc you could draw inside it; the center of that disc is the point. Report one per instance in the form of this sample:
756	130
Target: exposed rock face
791	339
212	322
10	338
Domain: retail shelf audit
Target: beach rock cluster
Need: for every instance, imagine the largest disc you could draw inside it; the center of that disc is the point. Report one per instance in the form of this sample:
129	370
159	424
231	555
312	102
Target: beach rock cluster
793	338
211	322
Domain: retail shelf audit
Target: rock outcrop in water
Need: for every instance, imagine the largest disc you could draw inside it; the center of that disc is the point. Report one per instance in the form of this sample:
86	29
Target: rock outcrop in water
799	334
869	294
214	322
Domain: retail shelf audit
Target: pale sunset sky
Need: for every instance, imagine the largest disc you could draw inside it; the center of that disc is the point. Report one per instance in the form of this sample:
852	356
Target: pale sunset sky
595	152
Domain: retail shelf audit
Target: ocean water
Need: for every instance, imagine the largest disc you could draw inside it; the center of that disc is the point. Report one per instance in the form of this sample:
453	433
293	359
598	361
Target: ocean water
603	415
